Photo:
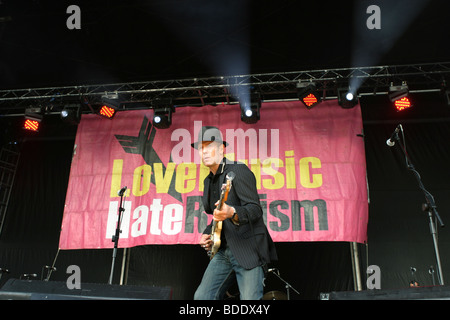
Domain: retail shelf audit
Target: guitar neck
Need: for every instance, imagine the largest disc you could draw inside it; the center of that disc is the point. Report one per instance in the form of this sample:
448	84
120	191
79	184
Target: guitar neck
220	204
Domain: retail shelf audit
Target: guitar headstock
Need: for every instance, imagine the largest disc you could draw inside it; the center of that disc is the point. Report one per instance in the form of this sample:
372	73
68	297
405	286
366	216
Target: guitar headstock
227	185
231	175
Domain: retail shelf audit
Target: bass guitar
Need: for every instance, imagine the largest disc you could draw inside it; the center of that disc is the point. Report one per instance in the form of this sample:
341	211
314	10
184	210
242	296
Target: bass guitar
216	229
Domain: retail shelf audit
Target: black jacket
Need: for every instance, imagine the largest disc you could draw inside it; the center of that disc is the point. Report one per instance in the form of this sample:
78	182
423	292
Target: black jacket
250	241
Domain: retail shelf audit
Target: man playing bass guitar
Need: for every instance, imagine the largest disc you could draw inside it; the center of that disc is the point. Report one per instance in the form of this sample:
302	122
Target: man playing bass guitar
245	244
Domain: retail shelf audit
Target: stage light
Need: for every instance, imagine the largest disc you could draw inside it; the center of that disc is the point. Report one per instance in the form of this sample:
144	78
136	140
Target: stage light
162	117
346	98
402	104
33	118
109	105
307	93
398	92
71	113
31	125
107	111
310	100
399	95
250	107
162	114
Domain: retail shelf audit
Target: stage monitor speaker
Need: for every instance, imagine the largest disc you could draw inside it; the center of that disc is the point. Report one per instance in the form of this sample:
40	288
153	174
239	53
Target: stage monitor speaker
414	293
15	289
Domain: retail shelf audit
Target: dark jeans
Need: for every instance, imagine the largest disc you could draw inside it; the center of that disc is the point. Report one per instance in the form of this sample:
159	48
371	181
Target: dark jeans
222	270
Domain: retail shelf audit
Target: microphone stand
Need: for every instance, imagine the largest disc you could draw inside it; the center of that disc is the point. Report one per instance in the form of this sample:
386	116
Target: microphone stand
287	285
431	272
430	206
115	237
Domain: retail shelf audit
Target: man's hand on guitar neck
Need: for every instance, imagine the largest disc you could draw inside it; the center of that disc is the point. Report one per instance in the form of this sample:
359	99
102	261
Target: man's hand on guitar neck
227	212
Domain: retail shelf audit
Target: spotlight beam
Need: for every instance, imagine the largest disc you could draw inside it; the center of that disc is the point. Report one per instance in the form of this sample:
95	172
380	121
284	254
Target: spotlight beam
371	45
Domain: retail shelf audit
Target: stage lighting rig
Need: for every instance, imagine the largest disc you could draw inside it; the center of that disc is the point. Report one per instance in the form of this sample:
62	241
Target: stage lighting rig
162	116
398	92
399	96
347	98
71	113
33	118
250	105
308	94
109	105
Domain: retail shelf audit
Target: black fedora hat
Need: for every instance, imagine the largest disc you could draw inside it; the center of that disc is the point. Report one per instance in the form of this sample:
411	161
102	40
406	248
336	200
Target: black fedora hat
209	133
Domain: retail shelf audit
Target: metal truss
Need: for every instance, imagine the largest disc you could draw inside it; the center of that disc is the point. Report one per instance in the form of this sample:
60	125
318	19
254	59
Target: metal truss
225	89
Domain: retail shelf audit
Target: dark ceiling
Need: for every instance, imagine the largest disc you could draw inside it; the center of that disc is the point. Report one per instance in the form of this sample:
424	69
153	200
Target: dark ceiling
123	41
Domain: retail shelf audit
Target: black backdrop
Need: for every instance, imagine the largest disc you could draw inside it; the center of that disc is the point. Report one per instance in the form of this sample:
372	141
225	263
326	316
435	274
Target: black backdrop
398	231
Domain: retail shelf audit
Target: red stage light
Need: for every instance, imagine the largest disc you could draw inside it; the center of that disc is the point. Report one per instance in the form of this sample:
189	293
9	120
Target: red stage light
402	104
32	125
107	111
310	100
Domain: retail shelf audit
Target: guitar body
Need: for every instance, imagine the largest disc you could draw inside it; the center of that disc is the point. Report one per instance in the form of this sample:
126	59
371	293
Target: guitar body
216	229
215	237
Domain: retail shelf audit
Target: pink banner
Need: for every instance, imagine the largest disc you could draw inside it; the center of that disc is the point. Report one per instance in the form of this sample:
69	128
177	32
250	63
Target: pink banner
309	167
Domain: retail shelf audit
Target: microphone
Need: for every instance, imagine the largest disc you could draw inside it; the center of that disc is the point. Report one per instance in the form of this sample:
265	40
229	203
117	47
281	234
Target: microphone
274	270
121	191
391	141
